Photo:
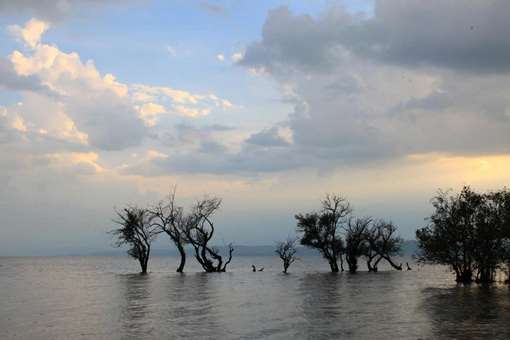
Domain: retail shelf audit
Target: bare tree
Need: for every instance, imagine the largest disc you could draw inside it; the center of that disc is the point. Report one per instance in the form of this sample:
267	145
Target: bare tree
372	256
387	244
321	230
199	232
355	241
286	250
170	219
137	231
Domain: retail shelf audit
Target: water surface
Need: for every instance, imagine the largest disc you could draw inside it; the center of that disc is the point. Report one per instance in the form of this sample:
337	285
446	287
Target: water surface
103	297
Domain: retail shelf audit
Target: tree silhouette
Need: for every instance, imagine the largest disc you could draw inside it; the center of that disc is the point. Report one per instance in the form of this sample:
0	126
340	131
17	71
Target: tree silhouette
321	230
286	250
170	219
355	241
137	231
199	232
468	231
387	243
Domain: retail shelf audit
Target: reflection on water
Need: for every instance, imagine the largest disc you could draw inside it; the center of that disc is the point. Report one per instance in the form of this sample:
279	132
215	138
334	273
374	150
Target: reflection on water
89	298
136	315
468	312
192	306
321	305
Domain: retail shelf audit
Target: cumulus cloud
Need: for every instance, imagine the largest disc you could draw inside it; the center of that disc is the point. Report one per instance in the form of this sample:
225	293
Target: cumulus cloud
98	105
416	77
89	107
154	101
11	80
469	36
31	33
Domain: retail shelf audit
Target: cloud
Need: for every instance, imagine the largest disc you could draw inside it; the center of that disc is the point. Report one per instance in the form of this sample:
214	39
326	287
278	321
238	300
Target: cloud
85	162
213	8
220	57
11	80
31	33
97	105
416	77
91	108
166	100
53	10
237	57
268	137
452	34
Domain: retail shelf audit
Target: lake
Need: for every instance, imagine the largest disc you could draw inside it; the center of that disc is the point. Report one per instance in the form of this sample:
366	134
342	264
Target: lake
104	298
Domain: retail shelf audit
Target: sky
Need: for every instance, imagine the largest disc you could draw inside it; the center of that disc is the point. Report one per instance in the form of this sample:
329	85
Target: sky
267	104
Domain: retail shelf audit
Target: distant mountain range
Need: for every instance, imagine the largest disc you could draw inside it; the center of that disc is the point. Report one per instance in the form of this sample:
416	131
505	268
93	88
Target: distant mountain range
408	249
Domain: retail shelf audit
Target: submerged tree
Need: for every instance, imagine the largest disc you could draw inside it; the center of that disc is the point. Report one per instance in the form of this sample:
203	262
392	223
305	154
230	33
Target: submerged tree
321	230
137	231
468	232
387	244
372	235
170	219
355	241
286	250
200	230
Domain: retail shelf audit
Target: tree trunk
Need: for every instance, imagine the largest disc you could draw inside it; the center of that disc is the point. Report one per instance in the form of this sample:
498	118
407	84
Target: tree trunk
182	252
334	266
376	269
369	266
352	262
465	276
143	265
393	264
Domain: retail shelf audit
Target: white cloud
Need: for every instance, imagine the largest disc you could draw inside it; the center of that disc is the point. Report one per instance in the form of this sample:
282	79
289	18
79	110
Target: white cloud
19	124
172	101
76	159
31	33
237	57
151	109
97	108
154	154
220	57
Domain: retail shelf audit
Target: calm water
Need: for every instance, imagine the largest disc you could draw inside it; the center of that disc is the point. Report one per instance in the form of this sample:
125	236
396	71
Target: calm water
99	297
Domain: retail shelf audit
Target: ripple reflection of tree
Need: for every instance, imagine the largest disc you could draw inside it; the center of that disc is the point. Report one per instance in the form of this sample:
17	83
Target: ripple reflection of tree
194	307
468	312
136	315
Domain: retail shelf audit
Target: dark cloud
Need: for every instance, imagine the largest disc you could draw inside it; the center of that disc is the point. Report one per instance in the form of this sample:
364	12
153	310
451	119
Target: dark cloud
267	137
457	34
297	41
416	77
